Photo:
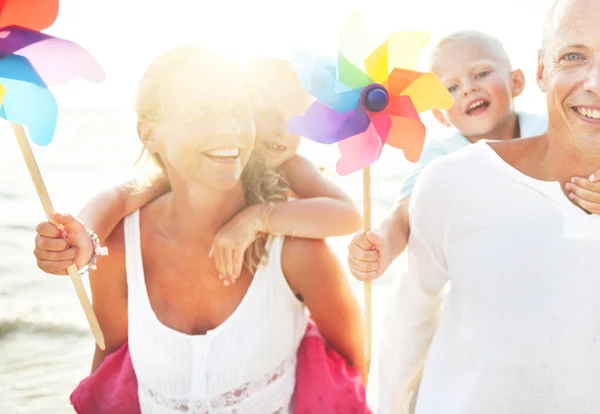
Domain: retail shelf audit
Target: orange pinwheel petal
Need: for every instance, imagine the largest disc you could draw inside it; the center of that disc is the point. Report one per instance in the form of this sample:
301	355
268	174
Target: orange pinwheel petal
31	14
400	79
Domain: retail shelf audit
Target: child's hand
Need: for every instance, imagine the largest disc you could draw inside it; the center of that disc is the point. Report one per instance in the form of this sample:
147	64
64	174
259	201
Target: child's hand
56	249
368	256
232	240
585	192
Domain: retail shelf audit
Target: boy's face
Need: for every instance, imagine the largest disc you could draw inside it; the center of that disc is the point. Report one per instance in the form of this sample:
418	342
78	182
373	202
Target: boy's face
481	83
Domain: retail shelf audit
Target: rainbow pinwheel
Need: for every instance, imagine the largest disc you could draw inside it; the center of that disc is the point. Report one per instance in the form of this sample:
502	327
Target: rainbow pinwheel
30	61
366	100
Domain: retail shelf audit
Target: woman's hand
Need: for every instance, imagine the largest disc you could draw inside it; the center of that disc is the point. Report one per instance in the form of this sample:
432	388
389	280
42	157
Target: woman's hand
57	248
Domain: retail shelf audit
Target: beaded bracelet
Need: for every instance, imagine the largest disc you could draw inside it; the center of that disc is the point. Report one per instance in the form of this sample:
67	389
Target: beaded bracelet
98	251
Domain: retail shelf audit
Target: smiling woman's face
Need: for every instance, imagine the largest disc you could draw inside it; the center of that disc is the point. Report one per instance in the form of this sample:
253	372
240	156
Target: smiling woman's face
205	132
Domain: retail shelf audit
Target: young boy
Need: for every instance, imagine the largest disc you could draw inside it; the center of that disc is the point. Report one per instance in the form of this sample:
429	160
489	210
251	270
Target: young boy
477	72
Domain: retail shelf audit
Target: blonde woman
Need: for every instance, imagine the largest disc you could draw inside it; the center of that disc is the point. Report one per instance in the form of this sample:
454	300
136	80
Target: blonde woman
319	208
196	344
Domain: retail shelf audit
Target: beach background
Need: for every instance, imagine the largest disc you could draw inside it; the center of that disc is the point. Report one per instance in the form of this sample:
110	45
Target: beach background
45	346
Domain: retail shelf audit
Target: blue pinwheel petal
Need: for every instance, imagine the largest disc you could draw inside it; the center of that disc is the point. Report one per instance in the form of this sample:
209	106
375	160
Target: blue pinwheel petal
27	101
318	76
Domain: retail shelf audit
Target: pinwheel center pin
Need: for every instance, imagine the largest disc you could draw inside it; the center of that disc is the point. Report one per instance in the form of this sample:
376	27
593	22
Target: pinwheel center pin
375	98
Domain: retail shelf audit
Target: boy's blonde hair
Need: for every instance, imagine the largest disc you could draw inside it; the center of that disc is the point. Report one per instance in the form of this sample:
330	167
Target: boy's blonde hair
172	89
475	36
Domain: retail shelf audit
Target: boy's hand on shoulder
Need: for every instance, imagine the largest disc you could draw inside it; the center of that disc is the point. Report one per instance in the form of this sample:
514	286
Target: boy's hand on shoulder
585	192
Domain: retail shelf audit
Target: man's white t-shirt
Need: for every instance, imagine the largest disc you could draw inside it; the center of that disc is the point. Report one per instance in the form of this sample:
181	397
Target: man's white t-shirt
529	124
519	329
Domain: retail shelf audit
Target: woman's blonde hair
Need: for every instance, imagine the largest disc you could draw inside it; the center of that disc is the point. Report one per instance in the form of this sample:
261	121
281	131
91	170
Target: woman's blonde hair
168	91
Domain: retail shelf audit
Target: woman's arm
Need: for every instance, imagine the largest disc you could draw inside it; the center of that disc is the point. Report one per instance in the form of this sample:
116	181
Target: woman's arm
314	273
109	296
55	250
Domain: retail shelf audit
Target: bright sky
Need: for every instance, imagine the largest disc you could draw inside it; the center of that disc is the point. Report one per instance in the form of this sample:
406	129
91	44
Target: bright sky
125	35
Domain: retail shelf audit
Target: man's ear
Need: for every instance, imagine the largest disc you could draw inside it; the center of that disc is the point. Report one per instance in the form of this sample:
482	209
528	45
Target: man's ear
541	70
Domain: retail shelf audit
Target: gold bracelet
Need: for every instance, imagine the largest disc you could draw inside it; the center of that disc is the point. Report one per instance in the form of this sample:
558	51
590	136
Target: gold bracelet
267	215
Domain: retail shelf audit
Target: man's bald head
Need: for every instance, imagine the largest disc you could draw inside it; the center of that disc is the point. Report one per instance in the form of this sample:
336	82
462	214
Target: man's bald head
555	18
569	73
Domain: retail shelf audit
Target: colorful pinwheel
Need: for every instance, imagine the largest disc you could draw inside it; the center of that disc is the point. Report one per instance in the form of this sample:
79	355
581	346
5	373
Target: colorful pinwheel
366	98
30	61
363	104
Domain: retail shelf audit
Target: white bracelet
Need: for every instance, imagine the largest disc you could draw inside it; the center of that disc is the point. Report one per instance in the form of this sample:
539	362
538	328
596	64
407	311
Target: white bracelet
98	251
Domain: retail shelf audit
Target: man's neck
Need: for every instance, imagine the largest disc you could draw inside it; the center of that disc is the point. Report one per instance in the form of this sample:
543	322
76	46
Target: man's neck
564	160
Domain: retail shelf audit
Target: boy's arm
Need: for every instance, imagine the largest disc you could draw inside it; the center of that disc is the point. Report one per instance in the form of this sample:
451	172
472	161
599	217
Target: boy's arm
371	253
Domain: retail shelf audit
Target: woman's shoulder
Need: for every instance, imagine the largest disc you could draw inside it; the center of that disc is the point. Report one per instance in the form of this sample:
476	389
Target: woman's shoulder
306	262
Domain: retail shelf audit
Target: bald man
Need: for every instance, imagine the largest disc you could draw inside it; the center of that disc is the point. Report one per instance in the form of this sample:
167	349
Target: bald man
500	310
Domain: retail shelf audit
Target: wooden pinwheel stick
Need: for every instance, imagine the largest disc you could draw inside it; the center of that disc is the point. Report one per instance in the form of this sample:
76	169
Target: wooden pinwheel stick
40	187
367	285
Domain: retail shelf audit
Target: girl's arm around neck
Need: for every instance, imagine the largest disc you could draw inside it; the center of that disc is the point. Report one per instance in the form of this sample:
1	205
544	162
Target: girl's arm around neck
322	210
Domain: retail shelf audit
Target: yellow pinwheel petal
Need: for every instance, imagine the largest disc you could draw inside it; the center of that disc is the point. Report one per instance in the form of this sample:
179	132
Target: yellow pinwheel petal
354	42
377	64
428	92
2	93
400	51
404	49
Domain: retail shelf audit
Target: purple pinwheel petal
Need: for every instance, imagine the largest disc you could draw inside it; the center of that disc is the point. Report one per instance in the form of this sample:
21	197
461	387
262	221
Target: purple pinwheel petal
55	60
324	125
14	38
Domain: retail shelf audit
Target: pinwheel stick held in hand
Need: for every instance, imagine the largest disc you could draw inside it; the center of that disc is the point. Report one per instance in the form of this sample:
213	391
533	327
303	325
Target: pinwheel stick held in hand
30	62
366	98
40	187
